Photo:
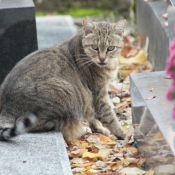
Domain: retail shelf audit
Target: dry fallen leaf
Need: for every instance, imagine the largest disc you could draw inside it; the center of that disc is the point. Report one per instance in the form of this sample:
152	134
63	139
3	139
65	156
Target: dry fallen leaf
151	89
150	98
168	169
132	171
165	15
91	155
139	59
166	23
150	172
104	153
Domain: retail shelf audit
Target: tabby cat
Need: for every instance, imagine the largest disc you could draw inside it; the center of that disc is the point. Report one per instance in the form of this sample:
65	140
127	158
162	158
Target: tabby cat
59	87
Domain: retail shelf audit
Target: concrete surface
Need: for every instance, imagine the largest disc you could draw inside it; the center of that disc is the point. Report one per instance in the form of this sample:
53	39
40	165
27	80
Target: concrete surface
158	108
54	29
151	23
34	154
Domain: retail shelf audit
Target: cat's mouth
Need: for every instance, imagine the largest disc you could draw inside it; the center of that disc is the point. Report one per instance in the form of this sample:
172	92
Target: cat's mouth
102	64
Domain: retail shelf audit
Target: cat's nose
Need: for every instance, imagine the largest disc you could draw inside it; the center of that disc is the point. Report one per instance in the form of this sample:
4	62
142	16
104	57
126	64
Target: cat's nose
102	59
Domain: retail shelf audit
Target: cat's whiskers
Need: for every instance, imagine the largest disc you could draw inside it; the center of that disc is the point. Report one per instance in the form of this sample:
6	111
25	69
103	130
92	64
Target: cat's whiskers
89	64
79	55
85	63
82	59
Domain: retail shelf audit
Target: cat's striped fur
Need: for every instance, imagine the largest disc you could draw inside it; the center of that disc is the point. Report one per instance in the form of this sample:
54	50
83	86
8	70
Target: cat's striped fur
59	87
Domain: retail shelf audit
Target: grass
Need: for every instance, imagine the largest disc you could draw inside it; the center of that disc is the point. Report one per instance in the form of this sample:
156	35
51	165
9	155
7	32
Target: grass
77	12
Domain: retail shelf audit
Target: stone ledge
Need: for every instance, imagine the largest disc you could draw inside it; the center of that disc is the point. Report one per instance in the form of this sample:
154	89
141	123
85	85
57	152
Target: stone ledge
35	154
157	109
151	23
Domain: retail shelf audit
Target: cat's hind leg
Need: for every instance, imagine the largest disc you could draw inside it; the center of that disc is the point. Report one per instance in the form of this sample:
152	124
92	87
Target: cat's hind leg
73	130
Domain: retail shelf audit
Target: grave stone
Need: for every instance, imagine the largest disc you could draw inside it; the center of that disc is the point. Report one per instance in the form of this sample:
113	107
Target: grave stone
151	23
171	19
17	33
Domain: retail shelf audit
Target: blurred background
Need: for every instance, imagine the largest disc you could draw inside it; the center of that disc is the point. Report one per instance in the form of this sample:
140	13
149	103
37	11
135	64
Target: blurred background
97	10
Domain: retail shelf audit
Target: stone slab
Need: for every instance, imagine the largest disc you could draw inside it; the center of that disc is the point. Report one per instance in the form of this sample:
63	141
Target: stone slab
159	108
54	29
17	33
35	154
171	19
151	23
15	4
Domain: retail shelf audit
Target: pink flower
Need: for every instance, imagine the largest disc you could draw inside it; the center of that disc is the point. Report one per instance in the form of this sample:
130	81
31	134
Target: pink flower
170	69
171	92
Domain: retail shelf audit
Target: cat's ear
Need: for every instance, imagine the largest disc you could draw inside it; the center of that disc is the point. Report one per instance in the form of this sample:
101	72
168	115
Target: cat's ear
88	26
120	26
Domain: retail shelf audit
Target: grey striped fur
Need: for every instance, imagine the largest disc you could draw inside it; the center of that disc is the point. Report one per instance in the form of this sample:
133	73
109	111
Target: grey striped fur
61	86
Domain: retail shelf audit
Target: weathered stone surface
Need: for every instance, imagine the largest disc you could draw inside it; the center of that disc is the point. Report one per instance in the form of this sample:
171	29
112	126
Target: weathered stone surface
151	23
156	109
17	33
35	154
54	29
171	19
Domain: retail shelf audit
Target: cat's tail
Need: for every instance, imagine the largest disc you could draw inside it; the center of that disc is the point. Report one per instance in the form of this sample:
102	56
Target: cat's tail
20	127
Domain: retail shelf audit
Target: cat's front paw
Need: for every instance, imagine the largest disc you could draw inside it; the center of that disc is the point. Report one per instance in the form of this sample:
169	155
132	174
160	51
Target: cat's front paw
106	132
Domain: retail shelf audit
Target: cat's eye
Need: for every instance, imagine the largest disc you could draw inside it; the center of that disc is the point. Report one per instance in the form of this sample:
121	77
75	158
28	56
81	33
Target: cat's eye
94	46
110	48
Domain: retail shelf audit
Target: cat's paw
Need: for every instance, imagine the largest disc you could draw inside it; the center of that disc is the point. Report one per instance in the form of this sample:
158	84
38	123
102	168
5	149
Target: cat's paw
106	132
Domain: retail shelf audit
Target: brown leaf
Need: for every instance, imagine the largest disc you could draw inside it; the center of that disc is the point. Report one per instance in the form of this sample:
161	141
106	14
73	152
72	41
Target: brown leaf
104	152
150	98
83	165
132	171
88	173
103	139
132	52
151	89
91	155
150	172
121	106
129	150
139	59
165	15
108	173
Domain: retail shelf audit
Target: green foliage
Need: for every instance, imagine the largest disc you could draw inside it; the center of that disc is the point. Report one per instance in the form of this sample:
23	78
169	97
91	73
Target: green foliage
41	13
78	12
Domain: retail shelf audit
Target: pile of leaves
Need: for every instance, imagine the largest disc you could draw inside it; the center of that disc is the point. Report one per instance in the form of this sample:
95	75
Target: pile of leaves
155	150
96	154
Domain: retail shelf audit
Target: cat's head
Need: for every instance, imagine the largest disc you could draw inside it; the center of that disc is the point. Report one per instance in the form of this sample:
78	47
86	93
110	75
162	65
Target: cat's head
103	41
